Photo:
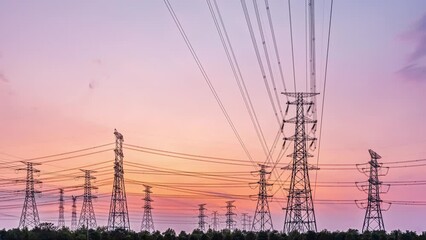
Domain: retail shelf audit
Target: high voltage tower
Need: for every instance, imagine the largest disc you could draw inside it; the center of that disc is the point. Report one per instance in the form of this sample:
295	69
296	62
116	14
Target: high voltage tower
61	220
230	222
373	220
262	220
118	211
201	217
215	221
147	222
299	213
29	216
74	213
244	222
87	214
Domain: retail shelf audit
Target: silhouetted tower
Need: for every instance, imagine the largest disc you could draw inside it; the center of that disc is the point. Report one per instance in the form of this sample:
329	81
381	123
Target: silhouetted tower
87	214
118	212
262	220
230	222
373	220
244	222
249	221
300	214
147	222
201	217
29	216
215	221
74	214
61	219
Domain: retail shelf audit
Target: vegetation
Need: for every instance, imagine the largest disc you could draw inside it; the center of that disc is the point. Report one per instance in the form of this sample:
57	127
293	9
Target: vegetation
47	231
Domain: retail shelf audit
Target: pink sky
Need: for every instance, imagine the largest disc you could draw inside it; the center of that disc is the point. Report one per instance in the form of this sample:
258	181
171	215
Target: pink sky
71	72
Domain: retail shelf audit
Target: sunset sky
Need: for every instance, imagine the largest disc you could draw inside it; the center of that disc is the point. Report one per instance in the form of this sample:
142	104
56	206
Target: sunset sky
72	71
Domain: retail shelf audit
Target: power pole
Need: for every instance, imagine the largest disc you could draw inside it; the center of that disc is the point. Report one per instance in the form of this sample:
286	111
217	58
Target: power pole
299	213
74	214
87	214
262	220
61	221
215	220
201	217
249	221
118	211
29	216
373	220
244	221
147	222
230	222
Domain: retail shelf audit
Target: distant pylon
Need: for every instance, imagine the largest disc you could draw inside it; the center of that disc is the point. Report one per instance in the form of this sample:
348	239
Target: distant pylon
87	214
118	211
373	220
147	222
230	222
299	213
61	219
262	220
202	217
244	222
74	214
29	216
215	221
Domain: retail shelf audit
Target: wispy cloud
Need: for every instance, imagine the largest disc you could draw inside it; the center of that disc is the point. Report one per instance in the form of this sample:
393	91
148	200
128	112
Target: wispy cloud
415	68
3	78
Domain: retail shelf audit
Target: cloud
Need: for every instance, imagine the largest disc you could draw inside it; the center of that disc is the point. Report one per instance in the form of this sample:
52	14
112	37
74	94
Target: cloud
413	72
3	78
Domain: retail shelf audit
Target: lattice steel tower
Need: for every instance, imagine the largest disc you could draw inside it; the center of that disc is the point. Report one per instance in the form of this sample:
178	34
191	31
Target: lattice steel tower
230	222
373	220
87	214
215	221
61	220
262	220
244	221
147	222
118	211
74	213
201	217
29	216
299	213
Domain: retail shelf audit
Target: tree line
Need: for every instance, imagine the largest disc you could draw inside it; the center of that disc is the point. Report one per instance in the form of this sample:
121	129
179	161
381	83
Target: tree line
47	231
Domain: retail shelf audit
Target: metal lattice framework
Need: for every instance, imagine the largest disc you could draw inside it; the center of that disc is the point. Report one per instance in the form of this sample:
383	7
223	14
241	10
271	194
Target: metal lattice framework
147	222
230	222
74	213
202	217
87	214
244	222
61	219
29	216
215	221
299	213
262	220
118	211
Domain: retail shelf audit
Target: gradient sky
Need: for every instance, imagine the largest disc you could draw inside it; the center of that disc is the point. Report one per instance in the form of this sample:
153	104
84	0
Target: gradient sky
72	71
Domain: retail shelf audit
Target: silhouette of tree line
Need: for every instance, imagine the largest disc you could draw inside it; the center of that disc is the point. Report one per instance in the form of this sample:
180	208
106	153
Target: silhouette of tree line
47	231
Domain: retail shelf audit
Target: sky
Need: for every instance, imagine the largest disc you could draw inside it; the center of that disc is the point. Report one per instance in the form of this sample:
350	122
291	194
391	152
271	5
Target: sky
73	71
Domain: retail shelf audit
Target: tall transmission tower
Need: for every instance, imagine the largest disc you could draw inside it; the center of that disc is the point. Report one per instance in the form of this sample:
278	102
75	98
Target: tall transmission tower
244	221
147	222
230	222
61	220
299	213
74	214
29	216
262	220
118	211
373	220
215	221
87	214
202	217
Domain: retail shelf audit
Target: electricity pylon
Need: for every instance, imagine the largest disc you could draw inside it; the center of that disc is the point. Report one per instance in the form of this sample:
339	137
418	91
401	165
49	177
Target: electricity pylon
202	217
244	221
147	222
373	220
74	214
262	220
29	216
215	221
61	220
118	211
300	214
230	222
87	214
